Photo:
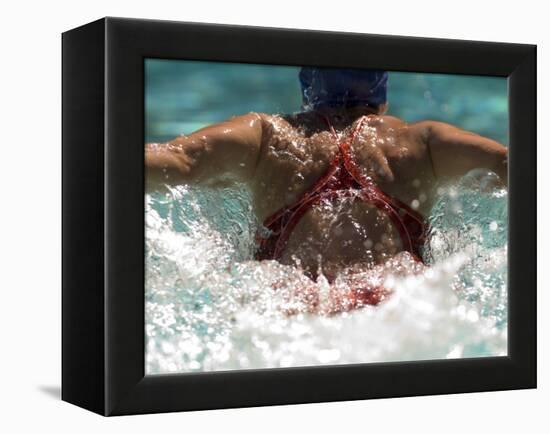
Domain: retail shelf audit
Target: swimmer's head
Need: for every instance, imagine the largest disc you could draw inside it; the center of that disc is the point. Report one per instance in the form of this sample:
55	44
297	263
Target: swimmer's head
342	88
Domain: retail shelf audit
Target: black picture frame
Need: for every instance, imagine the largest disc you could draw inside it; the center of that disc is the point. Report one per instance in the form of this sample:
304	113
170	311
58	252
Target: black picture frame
103	217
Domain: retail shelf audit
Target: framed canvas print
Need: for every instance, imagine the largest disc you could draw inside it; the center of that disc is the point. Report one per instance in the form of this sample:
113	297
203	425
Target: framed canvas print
257	216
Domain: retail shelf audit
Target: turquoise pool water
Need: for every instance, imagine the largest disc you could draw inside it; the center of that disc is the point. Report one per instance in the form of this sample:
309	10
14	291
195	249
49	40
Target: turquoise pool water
182	96
210	306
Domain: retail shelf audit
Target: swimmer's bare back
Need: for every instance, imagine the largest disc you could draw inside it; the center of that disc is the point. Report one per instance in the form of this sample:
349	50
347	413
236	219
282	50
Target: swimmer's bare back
281	157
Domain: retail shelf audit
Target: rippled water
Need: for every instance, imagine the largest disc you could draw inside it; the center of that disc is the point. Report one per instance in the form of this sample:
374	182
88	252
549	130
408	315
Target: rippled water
210	306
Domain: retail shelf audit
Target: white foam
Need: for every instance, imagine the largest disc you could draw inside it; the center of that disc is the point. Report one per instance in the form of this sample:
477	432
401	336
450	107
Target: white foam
210	307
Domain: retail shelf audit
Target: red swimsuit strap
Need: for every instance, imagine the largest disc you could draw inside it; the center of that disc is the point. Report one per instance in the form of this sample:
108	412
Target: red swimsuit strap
334	166
343	178
401	215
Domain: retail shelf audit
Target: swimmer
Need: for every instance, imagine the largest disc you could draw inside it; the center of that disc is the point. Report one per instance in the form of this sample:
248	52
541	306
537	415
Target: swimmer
341	187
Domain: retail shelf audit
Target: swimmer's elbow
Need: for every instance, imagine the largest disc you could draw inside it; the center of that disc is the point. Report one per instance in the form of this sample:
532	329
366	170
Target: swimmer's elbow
166	164
501	165
222	153
454	152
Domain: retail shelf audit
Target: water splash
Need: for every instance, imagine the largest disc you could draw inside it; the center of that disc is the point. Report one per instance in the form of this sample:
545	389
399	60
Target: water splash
210	306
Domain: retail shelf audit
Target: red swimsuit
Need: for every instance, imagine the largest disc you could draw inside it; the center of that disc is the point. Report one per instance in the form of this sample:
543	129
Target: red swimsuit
343	178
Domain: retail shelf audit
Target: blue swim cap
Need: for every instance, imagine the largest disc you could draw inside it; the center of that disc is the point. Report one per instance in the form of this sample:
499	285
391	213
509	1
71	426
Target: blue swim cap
342	87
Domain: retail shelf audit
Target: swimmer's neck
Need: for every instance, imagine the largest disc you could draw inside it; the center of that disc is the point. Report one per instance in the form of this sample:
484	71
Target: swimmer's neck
350	113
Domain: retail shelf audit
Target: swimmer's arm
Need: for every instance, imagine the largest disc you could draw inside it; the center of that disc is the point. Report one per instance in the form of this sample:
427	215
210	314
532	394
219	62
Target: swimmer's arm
227	151
454	152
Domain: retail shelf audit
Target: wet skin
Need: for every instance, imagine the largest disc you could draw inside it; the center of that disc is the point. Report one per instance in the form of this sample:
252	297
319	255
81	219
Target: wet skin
281	157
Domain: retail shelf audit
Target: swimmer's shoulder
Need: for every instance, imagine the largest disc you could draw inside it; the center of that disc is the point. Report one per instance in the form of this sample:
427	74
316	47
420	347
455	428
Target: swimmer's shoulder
271	120
388	121
299	124
271	125
416	131
266	119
